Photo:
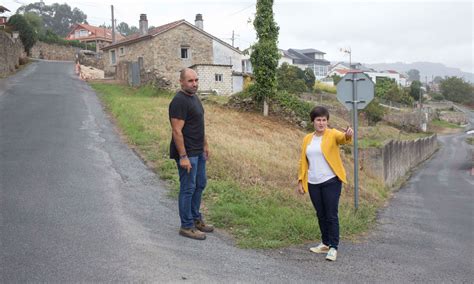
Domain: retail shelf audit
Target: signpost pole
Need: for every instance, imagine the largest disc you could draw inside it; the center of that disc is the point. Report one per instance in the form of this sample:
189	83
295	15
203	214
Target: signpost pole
355	91
356	149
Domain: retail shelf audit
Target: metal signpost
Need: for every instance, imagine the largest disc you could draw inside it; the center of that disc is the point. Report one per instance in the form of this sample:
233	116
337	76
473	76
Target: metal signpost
355	91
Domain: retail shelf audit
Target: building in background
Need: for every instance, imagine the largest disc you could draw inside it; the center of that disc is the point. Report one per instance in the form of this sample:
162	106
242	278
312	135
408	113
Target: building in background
167	49
100	36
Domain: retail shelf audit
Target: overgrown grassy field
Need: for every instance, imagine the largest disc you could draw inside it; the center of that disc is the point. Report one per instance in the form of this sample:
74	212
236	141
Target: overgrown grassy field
444	124
252	170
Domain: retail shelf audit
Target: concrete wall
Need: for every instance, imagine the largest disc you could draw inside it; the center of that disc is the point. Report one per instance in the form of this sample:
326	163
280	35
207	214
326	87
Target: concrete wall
10	52
207	78
225	56
396	158
42	50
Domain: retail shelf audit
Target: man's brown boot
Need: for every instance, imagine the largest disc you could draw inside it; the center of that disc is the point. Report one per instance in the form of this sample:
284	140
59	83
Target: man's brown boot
192	233
201	226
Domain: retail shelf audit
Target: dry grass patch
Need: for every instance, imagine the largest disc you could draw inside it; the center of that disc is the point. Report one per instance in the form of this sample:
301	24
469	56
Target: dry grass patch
252	150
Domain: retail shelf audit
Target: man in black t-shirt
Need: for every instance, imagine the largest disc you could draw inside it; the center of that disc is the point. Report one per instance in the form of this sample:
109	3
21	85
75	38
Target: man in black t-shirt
190	150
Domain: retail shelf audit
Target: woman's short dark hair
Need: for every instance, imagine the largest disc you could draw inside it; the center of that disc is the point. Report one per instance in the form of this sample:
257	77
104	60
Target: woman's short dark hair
319	111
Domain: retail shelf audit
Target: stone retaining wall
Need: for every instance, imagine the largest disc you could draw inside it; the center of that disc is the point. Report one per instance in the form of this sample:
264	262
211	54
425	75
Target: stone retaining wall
42	50
11	50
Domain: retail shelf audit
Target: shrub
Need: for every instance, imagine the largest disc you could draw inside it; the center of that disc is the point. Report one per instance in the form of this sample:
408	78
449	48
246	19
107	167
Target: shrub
291	102
321	87
437	97
374	112
51	37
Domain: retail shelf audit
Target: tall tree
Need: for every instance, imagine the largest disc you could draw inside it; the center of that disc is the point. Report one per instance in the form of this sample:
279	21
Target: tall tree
413	75
57	17
264	57
457	90
437	79
415	90
123	28
36	22
28	36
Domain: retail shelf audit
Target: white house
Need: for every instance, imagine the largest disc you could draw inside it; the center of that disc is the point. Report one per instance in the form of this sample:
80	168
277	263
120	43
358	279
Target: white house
302	58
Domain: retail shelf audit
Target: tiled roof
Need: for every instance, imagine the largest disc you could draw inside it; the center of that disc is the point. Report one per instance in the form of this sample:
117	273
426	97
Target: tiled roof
151	32
158	30
341	71
97	32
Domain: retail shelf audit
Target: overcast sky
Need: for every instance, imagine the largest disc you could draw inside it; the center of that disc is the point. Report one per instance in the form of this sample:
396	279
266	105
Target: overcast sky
375	31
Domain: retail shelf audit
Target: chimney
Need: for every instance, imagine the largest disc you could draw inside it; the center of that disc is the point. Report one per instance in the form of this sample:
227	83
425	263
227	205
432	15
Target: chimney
198	22
143	25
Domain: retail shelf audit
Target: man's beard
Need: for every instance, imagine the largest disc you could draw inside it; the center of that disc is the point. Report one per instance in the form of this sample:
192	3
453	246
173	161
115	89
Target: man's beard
190	91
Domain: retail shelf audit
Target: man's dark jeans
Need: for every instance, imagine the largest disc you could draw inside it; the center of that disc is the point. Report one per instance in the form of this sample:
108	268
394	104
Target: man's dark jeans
325	199
192	185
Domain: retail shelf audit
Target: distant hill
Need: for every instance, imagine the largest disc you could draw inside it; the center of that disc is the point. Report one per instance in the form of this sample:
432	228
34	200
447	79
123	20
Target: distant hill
426	69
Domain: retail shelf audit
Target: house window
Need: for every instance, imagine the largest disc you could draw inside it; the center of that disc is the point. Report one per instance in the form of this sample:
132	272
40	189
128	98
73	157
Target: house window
112	57
184	52
122	51
218	77
83	33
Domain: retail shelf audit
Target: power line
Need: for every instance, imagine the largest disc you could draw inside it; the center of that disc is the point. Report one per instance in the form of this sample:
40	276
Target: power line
231	14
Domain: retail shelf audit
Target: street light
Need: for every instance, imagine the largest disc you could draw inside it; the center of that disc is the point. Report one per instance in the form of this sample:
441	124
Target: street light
348	51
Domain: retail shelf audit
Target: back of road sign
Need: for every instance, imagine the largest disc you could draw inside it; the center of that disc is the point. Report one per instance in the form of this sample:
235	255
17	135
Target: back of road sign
364	90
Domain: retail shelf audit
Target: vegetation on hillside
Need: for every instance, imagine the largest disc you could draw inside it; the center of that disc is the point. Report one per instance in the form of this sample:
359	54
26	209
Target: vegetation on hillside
59	18
457	90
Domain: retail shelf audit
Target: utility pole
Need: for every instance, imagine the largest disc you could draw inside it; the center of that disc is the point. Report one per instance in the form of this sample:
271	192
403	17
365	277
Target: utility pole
232	38
113	24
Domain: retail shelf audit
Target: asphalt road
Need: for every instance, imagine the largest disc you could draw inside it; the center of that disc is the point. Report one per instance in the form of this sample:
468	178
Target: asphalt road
76	204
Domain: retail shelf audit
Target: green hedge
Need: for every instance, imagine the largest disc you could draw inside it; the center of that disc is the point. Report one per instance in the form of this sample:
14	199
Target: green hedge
50	37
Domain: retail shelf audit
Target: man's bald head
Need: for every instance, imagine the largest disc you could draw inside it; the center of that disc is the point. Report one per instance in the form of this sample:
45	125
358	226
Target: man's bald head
184	72
189	81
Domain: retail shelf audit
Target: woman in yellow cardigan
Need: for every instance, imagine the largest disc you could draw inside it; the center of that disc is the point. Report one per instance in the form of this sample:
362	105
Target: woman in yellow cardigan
321	173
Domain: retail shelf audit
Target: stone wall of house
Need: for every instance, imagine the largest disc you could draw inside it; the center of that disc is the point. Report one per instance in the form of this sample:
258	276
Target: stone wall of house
92	59
11	50
162	53
207	79
396	158
48	51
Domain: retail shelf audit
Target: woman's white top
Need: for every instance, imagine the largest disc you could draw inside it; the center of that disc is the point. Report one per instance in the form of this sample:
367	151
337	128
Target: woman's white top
319	170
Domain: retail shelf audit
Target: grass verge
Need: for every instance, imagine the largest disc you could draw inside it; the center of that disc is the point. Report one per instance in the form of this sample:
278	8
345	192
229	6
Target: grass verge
444	124
252	169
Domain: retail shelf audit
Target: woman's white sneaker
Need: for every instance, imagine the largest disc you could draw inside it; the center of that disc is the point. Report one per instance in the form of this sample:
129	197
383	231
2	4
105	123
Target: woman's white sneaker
332	254
321	248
